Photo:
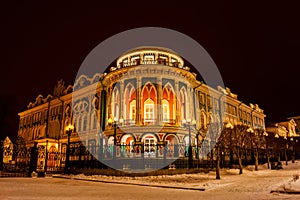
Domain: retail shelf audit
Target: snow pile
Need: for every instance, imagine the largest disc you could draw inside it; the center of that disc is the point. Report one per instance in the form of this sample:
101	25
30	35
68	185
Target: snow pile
292	186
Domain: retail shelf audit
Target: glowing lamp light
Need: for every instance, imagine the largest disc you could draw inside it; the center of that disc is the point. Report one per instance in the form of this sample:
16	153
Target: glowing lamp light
229	125
69	127
110	121
250	130
194	122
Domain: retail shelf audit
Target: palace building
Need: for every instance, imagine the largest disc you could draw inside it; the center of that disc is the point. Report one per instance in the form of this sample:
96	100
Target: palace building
148	107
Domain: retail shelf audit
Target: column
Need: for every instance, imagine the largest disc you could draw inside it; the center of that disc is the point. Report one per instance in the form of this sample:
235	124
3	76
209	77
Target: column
121	115
159	101
177	103
188	103
138	101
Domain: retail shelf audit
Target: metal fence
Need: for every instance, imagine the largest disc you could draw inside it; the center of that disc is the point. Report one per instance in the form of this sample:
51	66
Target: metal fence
137	156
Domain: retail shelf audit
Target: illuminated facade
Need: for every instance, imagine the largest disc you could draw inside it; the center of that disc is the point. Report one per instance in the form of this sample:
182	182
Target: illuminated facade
139	106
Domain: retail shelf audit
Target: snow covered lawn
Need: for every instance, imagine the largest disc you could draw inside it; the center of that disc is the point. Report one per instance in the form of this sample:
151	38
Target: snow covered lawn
262	181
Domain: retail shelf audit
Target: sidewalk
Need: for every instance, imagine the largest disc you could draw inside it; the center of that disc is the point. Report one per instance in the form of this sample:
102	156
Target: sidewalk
264	181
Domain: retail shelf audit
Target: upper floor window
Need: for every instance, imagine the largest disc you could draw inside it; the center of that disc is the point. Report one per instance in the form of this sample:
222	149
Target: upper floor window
149	110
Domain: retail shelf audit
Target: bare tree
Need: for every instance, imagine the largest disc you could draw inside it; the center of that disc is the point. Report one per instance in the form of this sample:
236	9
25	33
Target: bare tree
257	140
221	140
239	138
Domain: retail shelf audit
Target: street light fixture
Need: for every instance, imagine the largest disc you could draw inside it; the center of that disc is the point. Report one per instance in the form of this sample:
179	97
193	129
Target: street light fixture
69	130
265	134
189	123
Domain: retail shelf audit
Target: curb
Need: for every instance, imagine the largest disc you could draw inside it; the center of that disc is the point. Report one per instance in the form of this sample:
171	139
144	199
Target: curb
285	191
137	184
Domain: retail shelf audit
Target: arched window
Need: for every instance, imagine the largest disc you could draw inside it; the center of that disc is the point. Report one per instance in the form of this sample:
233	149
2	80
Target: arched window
203	119
168	105
93	120
166	110
149	98
127	146
129	104
172	146
132	112
149	110
115	102
84	122
182	99
79	124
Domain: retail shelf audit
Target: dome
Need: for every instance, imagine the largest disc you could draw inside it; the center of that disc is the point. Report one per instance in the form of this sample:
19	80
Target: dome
150	55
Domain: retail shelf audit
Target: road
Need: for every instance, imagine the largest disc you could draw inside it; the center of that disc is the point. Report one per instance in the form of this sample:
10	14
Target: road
54	188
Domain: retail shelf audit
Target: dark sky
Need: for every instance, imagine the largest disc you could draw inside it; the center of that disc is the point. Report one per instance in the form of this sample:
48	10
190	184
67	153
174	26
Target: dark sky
255	45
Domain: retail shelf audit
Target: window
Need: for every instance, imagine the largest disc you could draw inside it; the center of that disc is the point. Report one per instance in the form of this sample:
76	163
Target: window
166	110
84	123
115	103
149	146
182	99
132	114
148	59
149	111
94	121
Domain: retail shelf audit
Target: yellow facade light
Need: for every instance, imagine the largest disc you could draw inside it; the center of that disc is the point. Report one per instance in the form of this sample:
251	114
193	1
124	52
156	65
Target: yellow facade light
194	122
110	121
69	127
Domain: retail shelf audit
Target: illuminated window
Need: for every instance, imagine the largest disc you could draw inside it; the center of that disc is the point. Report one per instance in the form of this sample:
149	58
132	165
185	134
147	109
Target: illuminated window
148	59
132	111
149	110
115	103
183	103
149	146
166	110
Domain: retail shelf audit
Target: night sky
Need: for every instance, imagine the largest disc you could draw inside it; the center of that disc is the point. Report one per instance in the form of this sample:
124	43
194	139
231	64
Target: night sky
255	45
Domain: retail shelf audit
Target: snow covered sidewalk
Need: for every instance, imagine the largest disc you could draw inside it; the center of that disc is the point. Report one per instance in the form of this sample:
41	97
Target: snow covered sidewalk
255	182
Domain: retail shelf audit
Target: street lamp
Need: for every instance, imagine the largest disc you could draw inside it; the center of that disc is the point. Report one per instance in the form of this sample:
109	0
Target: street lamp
69	130
285	149
189	123
113	123
265	134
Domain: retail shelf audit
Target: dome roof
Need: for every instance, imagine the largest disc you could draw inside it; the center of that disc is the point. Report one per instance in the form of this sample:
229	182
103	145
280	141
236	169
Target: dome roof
150	48
138	52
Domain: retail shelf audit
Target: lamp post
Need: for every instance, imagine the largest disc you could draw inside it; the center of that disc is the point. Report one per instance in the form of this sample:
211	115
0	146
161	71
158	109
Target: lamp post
69	130
189	123
113	123
276	143
265	134
286	146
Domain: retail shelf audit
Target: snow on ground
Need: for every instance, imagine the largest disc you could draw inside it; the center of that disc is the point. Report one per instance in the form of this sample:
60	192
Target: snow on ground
232	186
262	181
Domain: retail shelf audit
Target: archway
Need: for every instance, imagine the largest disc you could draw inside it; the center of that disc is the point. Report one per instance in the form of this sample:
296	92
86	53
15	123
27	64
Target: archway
171	146
127	146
